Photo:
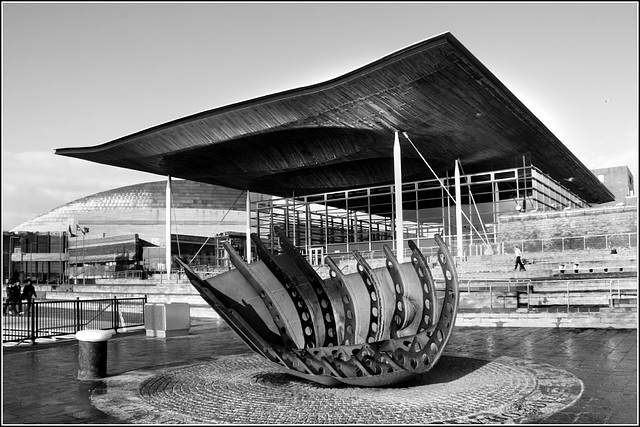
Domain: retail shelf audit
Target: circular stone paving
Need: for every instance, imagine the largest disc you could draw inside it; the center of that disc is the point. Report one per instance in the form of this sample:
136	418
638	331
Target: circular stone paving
250	390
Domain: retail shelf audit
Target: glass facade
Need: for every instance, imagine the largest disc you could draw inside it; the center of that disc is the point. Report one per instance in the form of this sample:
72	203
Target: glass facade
363	219
38	256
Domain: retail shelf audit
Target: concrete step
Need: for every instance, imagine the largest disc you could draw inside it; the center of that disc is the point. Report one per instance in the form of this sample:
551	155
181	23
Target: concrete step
624	301
615	318
488	300
191	298
623	285
561	299
203	311
551	317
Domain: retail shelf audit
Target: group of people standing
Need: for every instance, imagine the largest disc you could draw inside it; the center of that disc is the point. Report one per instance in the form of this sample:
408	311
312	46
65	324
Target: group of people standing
15	295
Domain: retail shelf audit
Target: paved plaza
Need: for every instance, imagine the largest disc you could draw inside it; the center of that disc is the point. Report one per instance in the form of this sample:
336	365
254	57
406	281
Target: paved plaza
488	375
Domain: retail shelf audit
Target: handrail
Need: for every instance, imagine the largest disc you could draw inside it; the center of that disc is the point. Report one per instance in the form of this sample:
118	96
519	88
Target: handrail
491	282
52	318
562	244
596	242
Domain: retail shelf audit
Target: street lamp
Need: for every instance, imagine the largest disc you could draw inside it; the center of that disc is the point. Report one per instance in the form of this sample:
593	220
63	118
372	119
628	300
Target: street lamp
83	230
84	264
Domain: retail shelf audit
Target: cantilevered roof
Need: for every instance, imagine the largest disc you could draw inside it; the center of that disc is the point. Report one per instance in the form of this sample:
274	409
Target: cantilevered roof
339	134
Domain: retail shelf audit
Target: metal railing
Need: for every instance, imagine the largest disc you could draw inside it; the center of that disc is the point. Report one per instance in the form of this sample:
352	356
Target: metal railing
49	319
84	275
559	244
489	284
495	287
550	245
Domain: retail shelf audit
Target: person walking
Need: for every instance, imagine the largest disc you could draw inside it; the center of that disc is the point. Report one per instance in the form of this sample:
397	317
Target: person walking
29	294
518	253
7	302
13	295
17	298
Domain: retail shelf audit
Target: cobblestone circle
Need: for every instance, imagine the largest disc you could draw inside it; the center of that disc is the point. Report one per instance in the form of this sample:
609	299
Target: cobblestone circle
250	390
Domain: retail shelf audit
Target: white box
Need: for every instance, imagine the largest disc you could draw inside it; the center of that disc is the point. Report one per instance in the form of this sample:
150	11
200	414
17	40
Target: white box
167	320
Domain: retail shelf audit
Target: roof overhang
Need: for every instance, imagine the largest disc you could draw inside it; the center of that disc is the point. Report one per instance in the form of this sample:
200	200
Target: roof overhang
339	134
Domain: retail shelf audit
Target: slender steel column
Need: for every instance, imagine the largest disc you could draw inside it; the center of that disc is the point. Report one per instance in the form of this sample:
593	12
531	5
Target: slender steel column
458	210
76	249
248	250
168	226
397	171
84	264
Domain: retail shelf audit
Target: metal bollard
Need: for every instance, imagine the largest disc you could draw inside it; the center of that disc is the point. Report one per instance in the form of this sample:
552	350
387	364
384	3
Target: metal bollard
92	353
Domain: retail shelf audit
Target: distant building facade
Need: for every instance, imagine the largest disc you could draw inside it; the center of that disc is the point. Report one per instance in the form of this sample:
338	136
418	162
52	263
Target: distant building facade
619	181
197	209
34	254
124	230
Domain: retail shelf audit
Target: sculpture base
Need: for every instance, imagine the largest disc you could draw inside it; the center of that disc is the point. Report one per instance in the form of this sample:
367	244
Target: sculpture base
250	390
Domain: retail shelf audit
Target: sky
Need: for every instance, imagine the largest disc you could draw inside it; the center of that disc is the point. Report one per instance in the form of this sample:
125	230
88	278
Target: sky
82	74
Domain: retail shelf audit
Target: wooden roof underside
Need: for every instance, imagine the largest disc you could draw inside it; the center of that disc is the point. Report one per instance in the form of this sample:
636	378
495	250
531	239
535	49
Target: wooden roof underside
339	134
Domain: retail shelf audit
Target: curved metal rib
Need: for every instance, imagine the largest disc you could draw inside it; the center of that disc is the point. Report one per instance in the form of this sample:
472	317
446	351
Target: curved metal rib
237	323
427	347
278	314
326	307
304	314
350	318
377	309
400	317
429	297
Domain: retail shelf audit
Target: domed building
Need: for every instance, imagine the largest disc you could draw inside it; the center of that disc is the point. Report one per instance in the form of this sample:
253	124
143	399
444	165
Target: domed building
126	226
197	209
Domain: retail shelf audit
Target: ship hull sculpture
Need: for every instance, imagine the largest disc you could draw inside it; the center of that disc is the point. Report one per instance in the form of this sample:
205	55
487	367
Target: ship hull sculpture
372	328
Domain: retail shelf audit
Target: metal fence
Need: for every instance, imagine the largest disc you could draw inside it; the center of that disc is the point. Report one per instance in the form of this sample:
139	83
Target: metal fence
55	318
90	273
604	242
560	244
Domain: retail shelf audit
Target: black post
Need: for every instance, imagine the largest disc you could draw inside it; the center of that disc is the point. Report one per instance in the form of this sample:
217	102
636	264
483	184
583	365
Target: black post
116	318
34	315
77	309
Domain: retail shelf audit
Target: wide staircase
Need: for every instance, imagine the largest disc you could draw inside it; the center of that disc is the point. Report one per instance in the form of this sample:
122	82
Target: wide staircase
558	289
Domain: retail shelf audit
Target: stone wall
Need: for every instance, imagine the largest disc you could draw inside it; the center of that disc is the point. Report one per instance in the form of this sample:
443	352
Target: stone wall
522	318
569	223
